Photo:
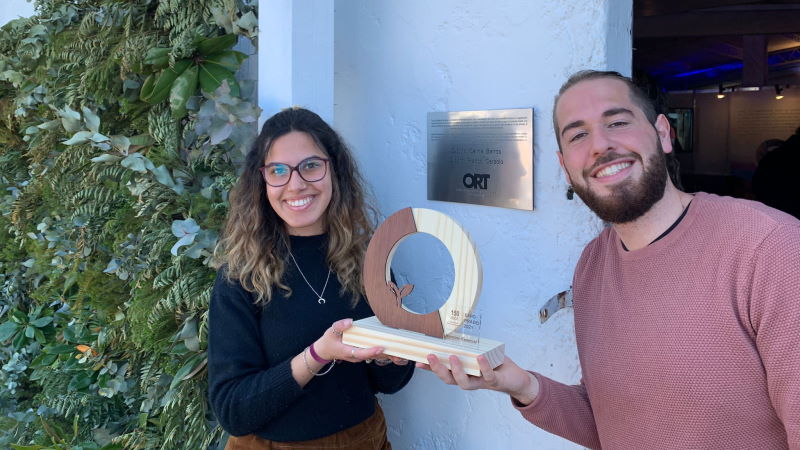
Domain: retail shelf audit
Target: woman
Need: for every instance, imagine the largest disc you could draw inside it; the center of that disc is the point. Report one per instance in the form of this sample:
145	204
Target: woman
293	247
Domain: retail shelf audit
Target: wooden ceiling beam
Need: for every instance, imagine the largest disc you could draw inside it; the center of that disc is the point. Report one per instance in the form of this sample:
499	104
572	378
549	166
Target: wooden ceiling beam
644	8
718	23
754	72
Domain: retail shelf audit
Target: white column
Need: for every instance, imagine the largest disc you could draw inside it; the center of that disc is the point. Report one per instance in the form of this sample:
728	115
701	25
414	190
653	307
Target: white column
619	38
295	53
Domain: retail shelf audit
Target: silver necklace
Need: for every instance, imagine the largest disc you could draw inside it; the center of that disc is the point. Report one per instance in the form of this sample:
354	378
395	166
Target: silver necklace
320	300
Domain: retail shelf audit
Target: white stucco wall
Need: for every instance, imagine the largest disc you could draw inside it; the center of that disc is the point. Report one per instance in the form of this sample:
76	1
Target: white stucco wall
12	9
395	61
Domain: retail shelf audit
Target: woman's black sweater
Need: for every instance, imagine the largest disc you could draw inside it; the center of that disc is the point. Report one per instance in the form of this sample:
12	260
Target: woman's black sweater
251	387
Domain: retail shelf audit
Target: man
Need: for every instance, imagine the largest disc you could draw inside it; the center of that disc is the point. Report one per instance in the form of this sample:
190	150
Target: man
687	309
774	181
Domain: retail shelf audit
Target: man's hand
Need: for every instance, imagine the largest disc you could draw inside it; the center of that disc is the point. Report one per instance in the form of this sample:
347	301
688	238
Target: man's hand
508	377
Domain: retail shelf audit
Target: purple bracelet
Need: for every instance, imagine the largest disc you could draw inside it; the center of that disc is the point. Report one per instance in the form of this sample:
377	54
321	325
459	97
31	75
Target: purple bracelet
316	357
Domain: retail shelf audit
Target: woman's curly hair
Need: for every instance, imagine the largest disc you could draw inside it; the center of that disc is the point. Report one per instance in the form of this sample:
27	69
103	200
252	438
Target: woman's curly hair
255	241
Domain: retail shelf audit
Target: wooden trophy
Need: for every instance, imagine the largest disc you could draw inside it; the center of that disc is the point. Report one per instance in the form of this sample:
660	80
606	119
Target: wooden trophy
413	336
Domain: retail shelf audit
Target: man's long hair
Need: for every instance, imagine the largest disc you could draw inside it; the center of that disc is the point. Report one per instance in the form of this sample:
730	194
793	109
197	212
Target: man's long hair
255	242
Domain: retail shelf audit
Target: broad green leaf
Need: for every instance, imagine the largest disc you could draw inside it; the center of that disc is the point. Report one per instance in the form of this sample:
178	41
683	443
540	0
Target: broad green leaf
186	370
91	120
181	228
158	57
69	335
219	131
142	140
229	59
121	143
38	30
183	88
162	176
97	137
50	126
189	329
206	239
7	329
42	321
208	46
18	316
70	119
212	76
60	348
37	333
29	332
137	162
106	157
147	87
44	359
19	341
79	138
79	382
113	265
192	343
185	240
163	85
14	78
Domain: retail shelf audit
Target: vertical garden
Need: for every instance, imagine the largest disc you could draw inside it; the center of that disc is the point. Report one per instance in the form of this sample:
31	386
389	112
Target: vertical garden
121	126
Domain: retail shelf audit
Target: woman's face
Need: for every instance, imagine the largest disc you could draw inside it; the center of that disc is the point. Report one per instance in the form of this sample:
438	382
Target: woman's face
301	204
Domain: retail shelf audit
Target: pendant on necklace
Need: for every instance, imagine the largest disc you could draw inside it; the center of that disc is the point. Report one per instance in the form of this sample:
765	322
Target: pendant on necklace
321	301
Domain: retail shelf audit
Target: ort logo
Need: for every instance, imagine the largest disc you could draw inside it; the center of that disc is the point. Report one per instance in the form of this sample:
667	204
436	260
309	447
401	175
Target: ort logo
475	180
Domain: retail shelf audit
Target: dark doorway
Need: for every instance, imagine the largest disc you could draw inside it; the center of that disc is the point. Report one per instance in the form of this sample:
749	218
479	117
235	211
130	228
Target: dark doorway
727	74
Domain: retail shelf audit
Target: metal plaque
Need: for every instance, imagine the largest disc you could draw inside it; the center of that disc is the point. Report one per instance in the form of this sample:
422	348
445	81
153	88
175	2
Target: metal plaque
481	157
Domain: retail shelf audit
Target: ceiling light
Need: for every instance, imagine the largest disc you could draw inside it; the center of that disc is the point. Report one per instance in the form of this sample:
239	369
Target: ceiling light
721	92
778	92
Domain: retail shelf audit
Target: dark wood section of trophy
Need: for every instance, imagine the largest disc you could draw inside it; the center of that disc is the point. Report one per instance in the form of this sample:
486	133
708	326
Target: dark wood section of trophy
385	301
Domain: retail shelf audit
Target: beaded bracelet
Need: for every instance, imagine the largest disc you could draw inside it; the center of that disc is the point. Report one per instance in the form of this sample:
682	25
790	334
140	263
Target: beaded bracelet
316	374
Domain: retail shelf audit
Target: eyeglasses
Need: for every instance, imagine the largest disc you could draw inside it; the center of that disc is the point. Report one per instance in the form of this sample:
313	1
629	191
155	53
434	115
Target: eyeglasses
310	169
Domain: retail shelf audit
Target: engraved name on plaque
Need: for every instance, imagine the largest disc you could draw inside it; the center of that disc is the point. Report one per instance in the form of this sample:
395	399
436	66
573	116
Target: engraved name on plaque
481	157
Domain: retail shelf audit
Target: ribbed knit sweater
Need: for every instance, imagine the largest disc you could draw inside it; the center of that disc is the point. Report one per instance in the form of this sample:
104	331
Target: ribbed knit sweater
251	388
692	342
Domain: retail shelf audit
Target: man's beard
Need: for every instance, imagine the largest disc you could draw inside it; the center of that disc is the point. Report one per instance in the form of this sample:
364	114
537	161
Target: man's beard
628	201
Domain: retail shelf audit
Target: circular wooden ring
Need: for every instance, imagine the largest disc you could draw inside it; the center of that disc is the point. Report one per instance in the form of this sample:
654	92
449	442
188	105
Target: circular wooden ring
386	299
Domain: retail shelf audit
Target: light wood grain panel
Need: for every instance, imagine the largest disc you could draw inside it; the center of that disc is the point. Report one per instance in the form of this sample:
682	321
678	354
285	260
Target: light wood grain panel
370	332
467	269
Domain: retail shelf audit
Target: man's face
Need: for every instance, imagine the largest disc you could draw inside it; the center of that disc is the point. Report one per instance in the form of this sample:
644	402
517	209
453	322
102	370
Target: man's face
612	156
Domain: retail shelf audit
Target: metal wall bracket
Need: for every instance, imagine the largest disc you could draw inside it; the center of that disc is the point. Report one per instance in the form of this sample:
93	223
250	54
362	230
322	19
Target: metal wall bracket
559	301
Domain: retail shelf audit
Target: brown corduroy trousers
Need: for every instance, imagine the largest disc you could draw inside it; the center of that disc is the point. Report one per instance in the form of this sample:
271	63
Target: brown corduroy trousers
368	435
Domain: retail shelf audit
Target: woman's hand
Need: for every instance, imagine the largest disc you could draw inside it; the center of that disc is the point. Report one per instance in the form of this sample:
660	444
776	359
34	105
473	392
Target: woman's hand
384	360
329	345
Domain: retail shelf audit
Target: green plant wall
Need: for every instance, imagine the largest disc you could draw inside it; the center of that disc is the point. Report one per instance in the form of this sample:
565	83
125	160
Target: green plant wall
122	123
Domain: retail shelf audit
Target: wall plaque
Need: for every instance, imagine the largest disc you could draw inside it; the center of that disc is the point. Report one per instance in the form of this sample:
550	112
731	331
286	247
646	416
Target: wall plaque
481	157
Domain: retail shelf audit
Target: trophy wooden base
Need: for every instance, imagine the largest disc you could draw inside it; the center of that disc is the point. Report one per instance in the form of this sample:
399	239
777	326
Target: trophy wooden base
370	332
